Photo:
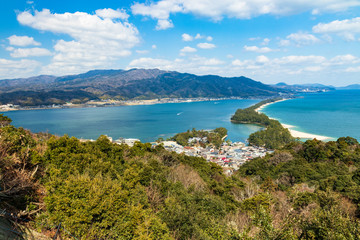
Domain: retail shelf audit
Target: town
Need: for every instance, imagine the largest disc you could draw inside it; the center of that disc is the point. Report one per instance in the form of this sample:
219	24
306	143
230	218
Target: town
230	156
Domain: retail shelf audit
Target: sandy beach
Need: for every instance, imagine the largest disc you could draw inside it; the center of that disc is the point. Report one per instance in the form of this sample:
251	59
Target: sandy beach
295	133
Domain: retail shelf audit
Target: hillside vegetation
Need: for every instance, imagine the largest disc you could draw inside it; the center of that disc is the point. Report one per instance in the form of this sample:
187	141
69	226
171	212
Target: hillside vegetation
273	136
206	138
101	190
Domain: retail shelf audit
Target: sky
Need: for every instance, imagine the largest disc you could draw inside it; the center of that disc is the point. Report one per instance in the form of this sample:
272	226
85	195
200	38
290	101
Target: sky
291	41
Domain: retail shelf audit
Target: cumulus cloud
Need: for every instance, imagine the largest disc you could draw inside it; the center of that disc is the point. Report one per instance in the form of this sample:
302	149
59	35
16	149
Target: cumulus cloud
257	49
296	64
206	45
160	11
22	41
346	28
29	52
301	38
112	14
295	67
187	38
196	64
199	36
164	24
262	59
187	49
21	68
241	9
97	42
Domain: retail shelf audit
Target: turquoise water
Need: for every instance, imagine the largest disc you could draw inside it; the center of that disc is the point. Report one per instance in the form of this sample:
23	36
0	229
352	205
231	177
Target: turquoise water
146	123
334	114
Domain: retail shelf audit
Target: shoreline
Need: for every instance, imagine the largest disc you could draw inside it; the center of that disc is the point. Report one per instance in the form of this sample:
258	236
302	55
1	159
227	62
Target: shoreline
117	103
294	133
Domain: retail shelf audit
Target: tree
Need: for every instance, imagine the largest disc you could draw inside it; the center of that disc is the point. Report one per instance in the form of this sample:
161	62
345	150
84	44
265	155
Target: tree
4	120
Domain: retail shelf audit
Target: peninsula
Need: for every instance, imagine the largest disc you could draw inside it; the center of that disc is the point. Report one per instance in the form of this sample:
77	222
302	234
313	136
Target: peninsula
294	133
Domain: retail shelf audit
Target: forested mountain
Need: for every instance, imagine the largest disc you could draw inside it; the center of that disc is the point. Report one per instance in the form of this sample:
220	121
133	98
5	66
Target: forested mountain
130	84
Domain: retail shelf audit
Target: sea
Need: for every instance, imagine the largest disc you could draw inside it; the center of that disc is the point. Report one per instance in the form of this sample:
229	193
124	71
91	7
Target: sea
333	114
144	122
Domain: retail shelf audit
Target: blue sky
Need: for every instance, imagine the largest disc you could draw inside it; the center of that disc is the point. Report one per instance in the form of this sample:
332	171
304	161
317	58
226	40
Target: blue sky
292	41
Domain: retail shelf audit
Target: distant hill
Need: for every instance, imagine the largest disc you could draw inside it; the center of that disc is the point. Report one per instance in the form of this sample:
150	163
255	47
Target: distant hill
128	84
309	87
353	86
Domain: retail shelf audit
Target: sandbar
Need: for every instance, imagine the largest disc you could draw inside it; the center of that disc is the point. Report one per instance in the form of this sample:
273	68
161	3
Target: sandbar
295	133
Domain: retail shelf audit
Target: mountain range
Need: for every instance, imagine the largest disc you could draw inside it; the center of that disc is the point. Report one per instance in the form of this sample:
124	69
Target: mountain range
128	84
308	87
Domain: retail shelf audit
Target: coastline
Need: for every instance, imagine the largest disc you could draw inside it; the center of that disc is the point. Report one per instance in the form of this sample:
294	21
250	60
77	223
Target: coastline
294	133
114	103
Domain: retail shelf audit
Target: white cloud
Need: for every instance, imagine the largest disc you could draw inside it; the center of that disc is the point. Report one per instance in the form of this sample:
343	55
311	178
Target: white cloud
159	11
213	61
301	38
288	68
196	64
22	41
265	41
151	63
16	69
97	42
284	43
346	28
206	45
187	49
187	38
112	14
241	9
142	51
254	38
295	64
257	49
295	59
154	46
29	52
353	69
198	36
164	24
262	59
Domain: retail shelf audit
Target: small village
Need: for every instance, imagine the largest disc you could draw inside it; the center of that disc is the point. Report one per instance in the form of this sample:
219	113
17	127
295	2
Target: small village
230	156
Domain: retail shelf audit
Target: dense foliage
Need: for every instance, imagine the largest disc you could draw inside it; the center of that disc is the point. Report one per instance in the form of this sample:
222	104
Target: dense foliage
101	190
4	120
205	138
38	98
273	136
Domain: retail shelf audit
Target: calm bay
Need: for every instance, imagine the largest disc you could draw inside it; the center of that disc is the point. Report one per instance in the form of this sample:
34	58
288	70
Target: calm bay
145	122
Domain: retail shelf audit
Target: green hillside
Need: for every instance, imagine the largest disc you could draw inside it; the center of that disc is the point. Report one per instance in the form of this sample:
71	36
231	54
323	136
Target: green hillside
101	190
